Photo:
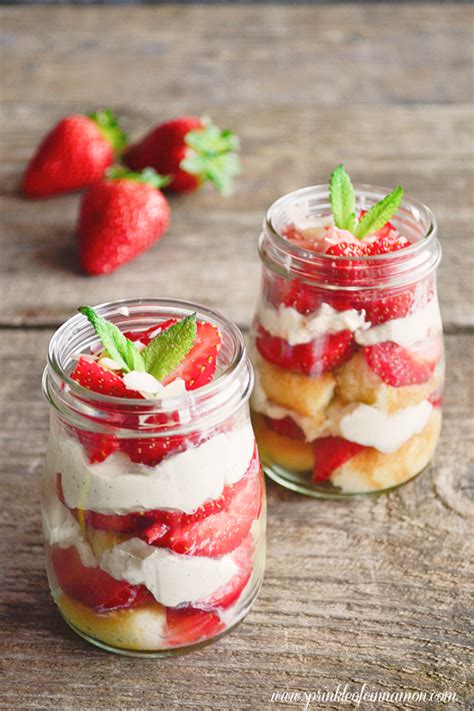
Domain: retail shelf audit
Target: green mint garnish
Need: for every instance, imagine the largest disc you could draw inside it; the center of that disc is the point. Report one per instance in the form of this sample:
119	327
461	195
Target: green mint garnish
212	156
342	199
166	351
379	214
119	348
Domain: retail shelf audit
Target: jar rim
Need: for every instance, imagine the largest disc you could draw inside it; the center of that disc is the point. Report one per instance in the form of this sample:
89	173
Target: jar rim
361	189
57	376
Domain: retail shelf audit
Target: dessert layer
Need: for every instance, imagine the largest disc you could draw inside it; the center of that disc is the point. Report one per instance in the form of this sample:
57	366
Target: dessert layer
183	481
295	328
171	578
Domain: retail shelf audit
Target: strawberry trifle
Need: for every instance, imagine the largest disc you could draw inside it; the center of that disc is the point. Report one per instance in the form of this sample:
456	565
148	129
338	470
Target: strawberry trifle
347	340
152	498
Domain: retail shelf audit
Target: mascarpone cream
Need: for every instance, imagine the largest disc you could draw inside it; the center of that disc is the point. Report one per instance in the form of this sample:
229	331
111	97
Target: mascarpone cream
183	481
286	322
405	331
172	579
370	427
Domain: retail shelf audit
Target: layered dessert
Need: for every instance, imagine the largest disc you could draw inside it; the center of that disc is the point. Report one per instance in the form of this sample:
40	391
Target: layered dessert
346	344
154	524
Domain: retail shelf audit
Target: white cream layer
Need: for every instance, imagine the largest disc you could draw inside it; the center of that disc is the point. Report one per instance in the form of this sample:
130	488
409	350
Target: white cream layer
287	323
295	328
183	481
374	428
405	331
172	579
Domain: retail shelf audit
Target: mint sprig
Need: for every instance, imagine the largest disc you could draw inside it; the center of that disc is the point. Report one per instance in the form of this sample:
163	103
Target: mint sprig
380	213
119	348
342	199
166	351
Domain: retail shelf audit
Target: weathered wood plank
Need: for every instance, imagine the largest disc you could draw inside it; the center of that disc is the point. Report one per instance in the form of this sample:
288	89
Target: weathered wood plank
372	53
210	252
374	591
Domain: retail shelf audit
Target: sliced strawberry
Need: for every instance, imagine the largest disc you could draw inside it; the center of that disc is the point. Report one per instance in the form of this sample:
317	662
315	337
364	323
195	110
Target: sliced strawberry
228	594
187	625
148	334
92	586
389	306
92	376
98	446
199	365
396	366
218	527
387	244
348	249
324	353
330	453
152	450
285	426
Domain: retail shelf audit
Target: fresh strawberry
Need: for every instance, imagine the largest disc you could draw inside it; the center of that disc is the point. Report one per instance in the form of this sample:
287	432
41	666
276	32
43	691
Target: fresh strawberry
92	376
218	527
286	427
330	453
396	366
229	593
190	151
120	217
186	625
152	450
348	249
324	353
92	586
385	245
75	154
199	365
388	306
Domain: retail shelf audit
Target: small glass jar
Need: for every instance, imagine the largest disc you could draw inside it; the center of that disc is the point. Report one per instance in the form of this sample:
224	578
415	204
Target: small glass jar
348	353
153	510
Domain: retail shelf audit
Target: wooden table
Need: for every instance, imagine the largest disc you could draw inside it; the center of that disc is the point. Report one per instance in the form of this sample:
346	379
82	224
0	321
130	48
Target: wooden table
374	591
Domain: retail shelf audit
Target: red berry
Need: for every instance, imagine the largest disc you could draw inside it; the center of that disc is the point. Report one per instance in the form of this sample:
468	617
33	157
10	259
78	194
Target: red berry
216	528
229	593
385	245
92	376
199	365
73	155
92	586
396	366
330	453
119	219
186	625
286	427
348	249
318	356
172	149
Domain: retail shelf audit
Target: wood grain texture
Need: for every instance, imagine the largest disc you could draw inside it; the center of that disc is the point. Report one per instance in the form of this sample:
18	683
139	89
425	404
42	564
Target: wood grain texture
375	591
304	87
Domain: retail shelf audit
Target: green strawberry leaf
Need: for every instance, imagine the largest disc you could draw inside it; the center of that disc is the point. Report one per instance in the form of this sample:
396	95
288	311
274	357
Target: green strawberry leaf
110	128
379	214
166	351
212	156
148	176
119	348
342	199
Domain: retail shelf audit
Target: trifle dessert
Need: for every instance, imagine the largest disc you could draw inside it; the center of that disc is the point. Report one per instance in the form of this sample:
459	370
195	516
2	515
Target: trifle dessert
152	496
347	340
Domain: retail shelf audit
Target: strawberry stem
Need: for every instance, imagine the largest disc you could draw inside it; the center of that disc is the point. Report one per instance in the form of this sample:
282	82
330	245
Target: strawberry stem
109	127
149	176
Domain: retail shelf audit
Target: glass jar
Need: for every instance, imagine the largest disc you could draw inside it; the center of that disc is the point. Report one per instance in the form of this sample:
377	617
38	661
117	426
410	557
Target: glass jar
347	352
153	510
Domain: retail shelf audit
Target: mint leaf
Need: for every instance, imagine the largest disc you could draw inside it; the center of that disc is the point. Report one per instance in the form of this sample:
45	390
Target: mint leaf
379	214
166	351
119	348
342	199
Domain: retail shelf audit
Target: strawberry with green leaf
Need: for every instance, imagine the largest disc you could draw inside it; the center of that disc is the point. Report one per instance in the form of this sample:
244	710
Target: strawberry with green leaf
191	151
74	155
120	217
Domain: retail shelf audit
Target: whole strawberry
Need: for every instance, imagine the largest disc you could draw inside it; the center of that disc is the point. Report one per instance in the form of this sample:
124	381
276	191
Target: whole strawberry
119	218
75	154
191	151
